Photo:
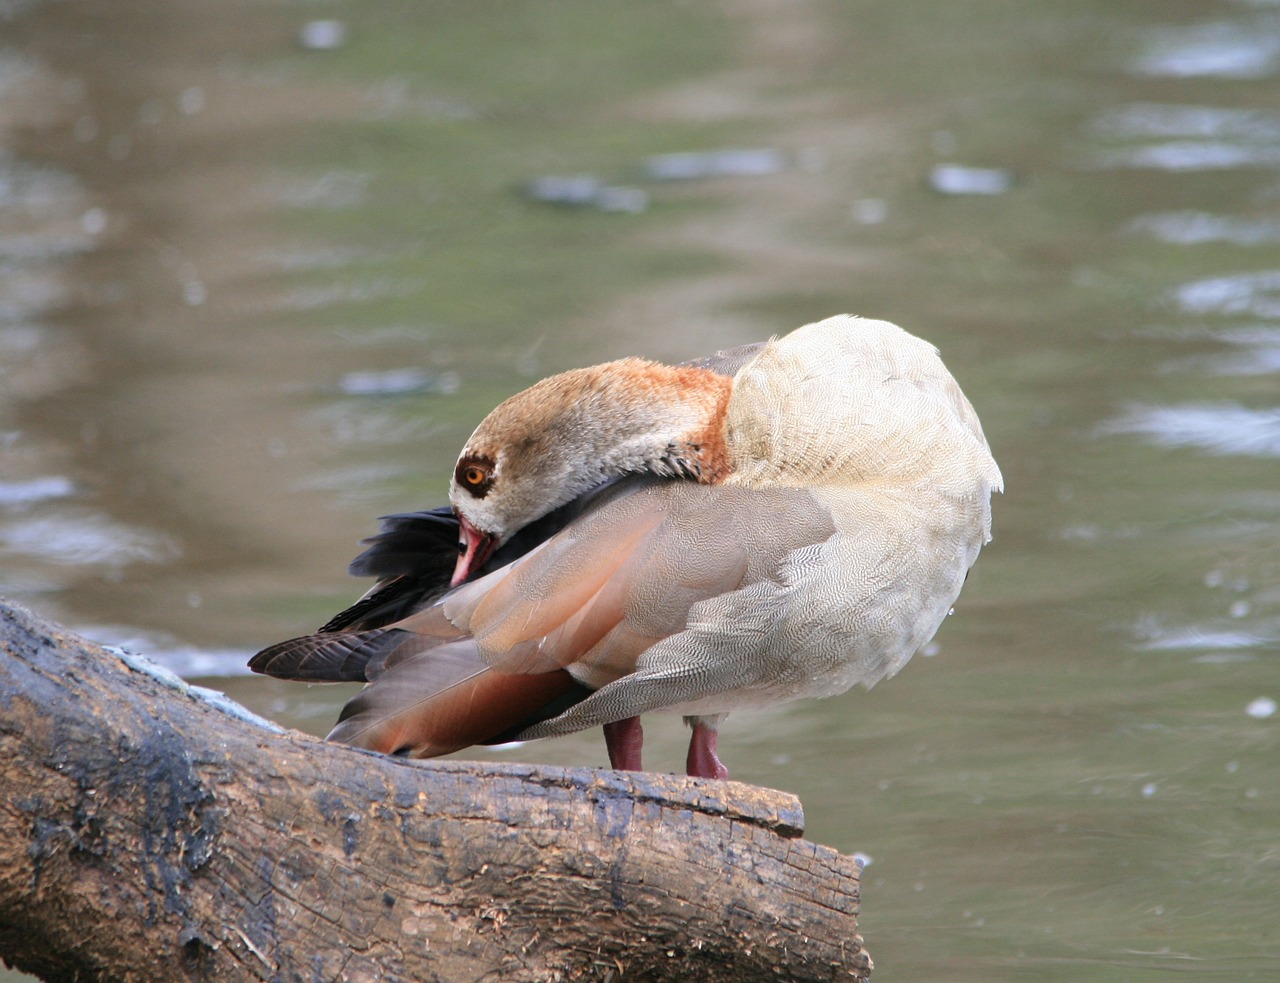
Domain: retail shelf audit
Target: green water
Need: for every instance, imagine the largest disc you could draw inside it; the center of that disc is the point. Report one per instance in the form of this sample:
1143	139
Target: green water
207	238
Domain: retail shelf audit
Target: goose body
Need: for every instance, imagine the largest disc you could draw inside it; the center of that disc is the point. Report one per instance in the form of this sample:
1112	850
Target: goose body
780	521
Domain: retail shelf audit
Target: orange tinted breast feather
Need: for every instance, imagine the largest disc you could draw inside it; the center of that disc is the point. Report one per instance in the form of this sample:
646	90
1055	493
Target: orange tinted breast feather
698	399
710	437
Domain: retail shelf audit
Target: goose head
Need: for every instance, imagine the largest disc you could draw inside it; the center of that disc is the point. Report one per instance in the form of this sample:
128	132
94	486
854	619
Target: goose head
565	435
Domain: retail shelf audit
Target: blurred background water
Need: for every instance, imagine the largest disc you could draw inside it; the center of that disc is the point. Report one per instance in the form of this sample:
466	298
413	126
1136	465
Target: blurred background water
263	266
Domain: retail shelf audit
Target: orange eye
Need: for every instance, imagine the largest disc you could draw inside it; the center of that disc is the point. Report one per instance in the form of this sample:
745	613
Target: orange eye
475	474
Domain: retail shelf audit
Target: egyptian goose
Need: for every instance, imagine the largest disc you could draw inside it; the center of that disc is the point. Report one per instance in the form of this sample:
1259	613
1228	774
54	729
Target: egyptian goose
778	521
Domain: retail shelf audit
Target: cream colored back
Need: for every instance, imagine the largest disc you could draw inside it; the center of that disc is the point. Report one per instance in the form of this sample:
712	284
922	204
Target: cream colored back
854	402
868	417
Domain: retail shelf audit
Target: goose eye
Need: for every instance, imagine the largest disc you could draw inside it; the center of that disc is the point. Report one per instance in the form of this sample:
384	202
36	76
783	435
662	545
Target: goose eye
475	475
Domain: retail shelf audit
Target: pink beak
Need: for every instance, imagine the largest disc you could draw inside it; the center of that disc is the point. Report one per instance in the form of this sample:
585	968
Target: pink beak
475	549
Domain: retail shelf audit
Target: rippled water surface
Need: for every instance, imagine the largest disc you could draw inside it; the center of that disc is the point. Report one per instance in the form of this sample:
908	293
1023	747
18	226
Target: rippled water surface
259	280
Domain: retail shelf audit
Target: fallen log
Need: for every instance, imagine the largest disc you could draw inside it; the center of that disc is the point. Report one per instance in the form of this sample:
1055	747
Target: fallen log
150	830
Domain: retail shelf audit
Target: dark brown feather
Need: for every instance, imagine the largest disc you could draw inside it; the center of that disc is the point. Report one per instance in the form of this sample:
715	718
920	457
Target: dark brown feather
336	657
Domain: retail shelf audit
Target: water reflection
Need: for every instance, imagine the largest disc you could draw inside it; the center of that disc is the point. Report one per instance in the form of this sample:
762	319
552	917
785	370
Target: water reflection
1221	645
398	382
335	189
174	655
1248	48
1197	228
23	494
1252	294
323	35
1256	352
586	191
357	291
689	166
1187	137
1220	428
957	179
1261	708
78	537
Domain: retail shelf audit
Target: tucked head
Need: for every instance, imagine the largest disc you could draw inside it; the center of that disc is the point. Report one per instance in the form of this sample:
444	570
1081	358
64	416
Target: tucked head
561	437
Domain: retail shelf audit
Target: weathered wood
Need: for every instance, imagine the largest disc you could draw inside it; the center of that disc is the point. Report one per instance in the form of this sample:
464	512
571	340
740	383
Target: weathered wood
148	833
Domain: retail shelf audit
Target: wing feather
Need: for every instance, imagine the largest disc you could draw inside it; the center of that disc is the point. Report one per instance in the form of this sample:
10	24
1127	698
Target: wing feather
521	648
447	698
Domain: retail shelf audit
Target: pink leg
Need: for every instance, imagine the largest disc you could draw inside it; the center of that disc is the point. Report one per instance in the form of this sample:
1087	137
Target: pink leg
702	761
624	738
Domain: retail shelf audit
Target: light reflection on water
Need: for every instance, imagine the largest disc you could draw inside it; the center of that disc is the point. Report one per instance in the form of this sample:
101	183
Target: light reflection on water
1220	428
188	661
1151	120
1251	350
1252	294
21	494
199	420
1217	642
336	189
1174	137
397	382
1230	49
1195	228
76	537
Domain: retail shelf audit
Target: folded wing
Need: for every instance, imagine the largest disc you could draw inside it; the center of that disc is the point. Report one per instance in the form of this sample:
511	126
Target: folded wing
525	645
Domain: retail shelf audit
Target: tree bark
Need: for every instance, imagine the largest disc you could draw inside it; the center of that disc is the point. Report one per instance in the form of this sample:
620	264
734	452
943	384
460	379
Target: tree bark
150	831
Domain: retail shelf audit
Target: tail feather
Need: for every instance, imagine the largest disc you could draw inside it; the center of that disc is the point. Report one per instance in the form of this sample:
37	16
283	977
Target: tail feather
428	695
387	602
328	658
447	699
